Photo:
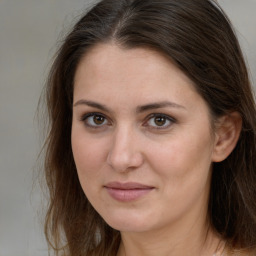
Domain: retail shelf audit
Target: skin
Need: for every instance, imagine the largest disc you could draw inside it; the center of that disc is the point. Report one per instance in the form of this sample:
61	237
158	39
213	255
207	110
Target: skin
125	143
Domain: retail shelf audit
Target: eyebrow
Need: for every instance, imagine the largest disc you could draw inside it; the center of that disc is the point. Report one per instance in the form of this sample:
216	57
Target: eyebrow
92	104
139	109
157	105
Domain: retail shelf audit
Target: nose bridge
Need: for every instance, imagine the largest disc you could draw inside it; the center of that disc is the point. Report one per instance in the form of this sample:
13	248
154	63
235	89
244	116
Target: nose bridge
124	152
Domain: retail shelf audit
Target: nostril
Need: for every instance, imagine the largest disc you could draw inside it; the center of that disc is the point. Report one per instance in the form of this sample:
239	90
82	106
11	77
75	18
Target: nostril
125	152
123	161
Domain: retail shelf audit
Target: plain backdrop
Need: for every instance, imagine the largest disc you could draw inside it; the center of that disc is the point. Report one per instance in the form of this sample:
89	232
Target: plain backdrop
29	32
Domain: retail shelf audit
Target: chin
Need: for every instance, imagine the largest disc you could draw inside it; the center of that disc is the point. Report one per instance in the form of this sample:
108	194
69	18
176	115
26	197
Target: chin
128	222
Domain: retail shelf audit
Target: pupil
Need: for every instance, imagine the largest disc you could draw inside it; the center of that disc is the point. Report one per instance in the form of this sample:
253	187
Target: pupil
160	121
98	120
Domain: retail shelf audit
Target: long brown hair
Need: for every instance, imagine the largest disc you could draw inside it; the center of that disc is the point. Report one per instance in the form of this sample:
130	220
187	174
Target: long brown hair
198	37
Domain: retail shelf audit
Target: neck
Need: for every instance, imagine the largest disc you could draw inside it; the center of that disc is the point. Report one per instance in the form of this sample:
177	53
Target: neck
180	242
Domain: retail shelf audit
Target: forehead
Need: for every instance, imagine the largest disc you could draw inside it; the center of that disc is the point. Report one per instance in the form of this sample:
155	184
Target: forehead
105	62
123	79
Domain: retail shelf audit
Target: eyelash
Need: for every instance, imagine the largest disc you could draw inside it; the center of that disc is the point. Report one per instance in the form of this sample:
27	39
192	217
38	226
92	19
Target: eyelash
85	118
167	118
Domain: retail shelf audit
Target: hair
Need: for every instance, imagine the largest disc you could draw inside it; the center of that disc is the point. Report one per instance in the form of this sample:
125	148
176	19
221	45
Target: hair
199	38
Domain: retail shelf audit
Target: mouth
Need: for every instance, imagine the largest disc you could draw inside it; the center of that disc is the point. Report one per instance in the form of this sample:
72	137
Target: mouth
126	192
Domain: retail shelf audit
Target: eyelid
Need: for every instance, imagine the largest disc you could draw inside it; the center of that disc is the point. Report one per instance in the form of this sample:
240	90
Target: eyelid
85	117
154	115
169	118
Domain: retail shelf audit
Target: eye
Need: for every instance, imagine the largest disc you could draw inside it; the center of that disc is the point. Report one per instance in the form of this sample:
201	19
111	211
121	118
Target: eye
94	120
160	121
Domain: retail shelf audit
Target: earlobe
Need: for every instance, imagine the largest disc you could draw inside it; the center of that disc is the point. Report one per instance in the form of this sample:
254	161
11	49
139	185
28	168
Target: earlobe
226	136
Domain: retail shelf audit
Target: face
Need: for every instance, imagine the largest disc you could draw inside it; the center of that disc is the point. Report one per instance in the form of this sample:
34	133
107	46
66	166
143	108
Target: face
141	139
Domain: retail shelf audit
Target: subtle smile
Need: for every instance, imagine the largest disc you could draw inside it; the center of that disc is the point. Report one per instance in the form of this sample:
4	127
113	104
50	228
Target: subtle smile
126	192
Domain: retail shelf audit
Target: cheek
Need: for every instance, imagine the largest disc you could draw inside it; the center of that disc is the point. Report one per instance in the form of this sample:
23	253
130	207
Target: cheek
183	166
88	158
89	164
89	161
182	159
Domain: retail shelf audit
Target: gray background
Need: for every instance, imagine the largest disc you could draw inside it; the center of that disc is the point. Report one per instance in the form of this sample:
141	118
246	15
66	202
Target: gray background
29	30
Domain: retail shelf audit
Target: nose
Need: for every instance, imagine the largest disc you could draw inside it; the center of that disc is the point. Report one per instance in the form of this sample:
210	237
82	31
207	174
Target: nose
124	154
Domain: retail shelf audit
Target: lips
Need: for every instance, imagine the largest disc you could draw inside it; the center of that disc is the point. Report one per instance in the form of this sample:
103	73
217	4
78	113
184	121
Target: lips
126	192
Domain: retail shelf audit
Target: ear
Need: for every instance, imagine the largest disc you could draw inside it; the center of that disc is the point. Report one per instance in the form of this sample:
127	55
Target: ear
226	136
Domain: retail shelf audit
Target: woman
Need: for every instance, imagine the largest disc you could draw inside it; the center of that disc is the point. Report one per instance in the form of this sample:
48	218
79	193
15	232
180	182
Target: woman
152	134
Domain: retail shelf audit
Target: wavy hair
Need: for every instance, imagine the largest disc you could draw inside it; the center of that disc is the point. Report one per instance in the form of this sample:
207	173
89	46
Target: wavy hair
198	37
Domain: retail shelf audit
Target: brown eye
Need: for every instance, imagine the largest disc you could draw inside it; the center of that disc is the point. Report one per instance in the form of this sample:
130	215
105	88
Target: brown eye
98	120
160	120
94	120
